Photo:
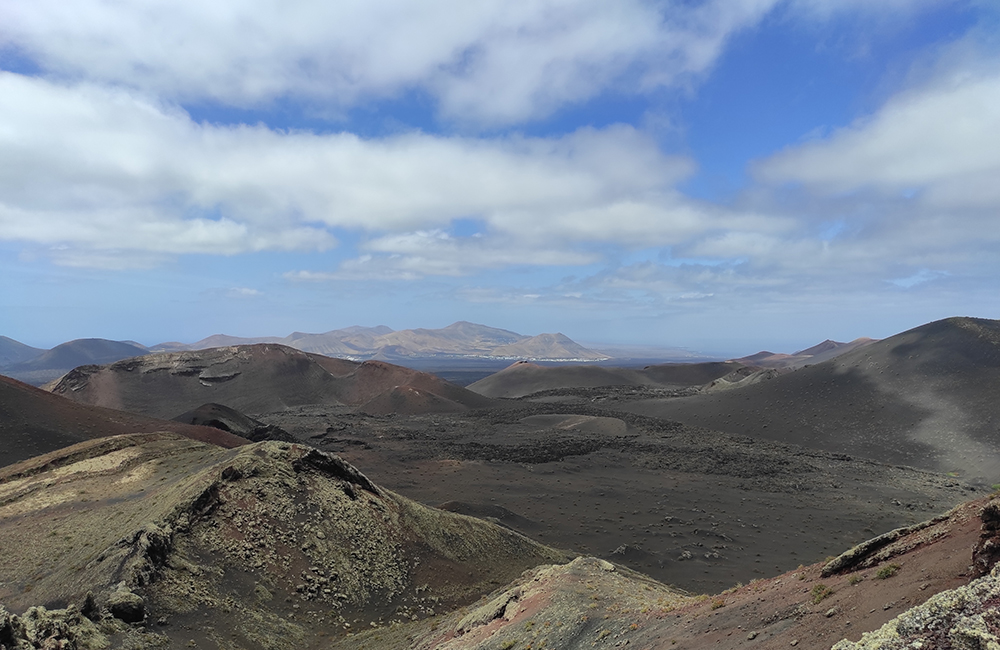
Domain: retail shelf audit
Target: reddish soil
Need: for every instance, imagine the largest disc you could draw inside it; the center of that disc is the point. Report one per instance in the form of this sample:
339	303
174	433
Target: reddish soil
33	422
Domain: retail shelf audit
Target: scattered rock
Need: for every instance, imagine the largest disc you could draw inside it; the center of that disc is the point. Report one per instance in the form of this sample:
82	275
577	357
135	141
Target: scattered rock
90	608
126	605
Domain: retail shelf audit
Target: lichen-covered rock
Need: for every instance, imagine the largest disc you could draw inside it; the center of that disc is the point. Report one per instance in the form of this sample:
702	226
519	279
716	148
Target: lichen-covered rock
66	629
12	632
966	617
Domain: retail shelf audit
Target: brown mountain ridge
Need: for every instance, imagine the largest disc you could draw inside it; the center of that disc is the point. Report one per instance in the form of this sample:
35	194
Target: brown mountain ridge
255	379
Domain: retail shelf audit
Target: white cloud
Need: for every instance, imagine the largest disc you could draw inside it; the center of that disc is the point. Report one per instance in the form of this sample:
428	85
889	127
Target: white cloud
939	143
912	188
486	61
105	170
416	255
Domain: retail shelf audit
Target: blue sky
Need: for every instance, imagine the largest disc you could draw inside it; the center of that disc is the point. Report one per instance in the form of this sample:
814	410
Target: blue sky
725	175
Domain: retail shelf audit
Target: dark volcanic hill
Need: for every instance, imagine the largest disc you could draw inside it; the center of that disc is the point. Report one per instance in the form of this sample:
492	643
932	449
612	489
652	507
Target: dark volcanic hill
816	354
82	352
34	422
54	363
227	419
13	352
251	379
926	398
524	378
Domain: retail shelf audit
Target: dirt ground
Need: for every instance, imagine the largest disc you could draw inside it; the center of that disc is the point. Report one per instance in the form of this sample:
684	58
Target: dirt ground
692	508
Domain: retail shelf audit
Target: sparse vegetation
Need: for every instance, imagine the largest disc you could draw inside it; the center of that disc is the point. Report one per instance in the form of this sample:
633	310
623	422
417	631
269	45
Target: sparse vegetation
887	571
819	592
718	603
855	579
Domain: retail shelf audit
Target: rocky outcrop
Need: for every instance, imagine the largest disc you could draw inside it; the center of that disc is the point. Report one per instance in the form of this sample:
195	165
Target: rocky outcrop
986	554
126	605
278	544
879	549
39	627
966	617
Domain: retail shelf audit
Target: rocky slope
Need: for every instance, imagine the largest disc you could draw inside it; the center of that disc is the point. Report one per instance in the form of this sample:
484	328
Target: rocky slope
269	545
155	540
907	589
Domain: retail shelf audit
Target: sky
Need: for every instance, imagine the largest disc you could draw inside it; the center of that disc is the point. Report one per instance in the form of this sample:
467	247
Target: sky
722	175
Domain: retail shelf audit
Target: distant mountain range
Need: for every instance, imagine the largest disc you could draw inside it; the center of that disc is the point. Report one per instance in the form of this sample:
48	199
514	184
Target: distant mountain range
459	340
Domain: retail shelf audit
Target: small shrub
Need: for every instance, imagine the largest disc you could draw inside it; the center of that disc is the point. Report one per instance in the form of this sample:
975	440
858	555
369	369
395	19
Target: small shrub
718	603
888	571
819	592
855	579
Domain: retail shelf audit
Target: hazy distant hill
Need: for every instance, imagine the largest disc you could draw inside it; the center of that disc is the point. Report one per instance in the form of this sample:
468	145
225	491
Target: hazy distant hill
14	352
926	397
52	364
83	351
546	346
351	341
458	340
816	354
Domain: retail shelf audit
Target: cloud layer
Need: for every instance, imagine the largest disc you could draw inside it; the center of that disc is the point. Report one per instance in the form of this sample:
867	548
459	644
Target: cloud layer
486	62
88	167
